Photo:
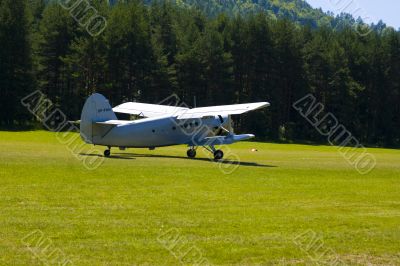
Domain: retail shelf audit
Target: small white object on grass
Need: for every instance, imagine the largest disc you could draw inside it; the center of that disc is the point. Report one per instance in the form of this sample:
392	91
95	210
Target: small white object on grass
254	150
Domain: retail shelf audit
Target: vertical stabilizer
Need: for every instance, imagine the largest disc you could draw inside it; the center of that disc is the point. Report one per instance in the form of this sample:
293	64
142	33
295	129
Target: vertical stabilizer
96	109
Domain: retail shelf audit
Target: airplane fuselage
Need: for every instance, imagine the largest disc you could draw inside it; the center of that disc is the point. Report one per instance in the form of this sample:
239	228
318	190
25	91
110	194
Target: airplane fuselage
160	132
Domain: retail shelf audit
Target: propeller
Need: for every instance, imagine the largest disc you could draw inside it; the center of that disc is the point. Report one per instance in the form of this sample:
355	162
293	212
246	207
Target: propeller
226	125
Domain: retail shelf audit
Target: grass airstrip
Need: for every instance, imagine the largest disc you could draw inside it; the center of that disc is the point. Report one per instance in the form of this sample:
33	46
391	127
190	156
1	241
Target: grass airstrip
283	205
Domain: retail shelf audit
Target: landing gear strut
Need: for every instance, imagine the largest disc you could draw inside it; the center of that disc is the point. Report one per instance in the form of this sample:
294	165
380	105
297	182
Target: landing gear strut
218	154
107	153
191	153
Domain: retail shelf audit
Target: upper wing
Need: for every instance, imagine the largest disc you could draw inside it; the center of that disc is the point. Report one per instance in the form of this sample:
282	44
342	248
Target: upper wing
234	109
148	110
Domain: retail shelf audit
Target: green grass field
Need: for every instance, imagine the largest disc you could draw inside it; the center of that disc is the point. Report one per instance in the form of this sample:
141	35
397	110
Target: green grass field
151	207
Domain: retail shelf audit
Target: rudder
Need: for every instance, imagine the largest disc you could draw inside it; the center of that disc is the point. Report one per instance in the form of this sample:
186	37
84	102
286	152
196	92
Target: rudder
96	109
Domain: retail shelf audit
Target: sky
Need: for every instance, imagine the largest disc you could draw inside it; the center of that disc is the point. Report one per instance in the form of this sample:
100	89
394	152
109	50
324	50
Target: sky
369	10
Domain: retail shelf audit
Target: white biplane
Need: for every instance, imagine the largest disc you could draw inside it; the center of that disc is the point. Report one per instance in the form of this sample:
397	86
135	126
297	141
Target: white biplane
161	125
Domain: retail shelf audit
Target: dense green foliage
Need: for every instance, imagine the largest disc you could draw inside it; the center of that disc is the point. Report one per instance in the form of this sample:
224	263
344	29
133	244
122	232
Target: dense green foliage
15	60
148	52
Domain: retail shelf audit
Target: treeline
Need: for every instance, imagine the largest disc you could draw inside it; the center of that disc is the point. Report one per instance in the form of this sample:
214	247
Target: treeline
146	53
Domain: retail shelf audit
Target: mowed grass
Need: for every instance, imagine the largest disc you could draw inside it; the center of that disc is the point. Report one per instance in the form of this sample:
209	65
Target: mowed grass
117	214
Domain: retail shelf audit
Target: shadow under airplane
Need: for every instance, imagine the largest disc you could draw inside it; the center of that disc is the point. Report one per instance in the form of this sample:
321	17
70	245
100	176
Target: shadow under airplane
133	156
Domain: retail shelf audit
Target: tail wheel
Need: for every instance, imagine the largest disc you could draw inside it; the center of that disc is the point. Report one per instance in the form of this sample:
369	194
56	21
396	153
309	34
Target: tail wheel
191	153
107	153
218	155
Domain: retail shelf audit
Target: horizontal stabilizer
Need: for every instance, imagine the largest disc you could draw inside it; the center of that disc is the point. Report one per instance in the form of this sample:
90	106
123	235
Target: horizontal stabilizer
76	123
113	123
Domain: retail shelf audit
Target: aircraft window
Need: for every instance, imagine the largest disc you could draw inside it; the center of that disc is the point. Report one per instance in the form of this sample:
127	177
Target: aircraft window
196	124
153	131
173	128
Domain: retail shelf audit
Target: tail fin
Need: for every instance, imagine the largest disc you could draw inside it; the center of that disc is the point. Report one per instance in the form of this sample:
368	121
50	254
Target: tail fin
96	109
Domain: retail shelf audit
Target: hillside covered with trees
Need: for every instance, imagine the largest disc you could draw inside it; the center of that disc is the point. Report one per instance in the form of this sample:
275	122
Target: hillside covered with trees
295	10
149	51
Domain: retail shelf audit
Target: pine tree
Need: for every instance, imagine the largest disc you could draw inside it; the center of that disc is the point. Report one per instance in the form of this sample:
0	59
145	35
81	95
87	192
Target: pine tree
129	53
57	32
16	79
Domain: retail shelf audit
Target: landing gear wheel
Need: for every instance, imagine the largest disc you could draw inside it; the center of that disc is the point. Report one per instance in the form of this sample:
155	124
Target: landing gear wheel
218	155
191	153
107	153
